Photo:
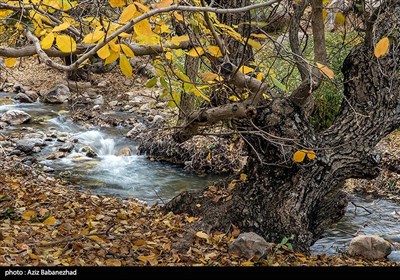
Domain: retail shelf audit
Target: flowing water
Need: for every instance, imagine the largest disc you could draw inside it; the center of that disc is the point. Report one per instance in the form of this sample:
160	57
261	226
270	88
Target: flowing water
135	176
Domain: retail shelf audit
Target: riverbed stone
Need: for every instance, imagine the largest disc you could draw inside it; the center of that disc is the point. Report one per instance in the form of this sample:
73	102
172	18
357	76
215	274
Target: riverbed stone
59	94
32	95
15	117
23	98
371	247
27	145
88	151
6	101
67	147
113	103
250	244
99	100
125	152
56	155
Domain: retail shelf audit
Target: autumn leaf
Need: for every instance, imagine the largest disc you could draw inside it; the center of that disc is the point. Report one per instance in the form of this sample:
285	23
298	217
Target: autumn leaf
382	47
50	221
65	43
254	44
47	41
214	51
209	76
164	3
113	262
311	155
128	13
93	37
143	28
340	19
125	66
142	7
245	69
61	27
104	52
196	52
202	235
177	40
325	70
28	215
258	35
10	61
117	3
243	177
299	156
112	57
127	50
178	16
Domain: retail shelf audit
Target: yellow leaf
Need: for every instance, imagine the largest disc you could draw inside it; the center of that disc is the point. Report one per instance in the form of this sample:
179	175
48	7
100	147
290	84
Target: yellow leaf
128	13
113	262
112	57
247	263
196	52
260	76
104	52
208	76
164	3
234	98
61	27
178	16
254	44
199	93
113	46
125	66
127	51
382	47
208	156
202	235
93	37
165	29
214	51
324	14
177	40
311	155
96	238
190	219
147	258
47	41
143	28
117	3
299	156
245	69
340	19
243	177
325	70
10	61
258	35
169	56
142	7
28	215
65	43
50	221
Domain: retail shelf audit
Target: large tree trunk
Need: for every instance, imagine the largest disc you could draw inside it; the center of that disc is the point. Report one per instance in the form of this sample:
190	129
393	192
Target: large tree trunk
281	197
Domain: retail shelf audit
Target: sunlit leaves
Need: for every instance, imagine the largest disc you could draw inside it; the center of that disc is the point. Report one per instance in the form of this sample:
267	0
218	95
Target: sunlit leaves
125	66
177	40
61	27
325	70
128	13
47	41
65	43
382	47
142	7
127	50
113	262
151	83
104	52
278	84
196	52
177	16
50	221
112	57
300	155
202	235
94	37
209	76
340	19
28	215
254	44
214	51
164	3
10	62
117	3
245	69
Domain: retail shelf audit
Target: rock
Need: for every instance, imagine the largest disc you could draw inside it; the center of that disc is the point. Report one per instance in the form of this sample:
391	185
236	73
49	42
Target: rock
89	152
67	147
56	155
158	120
102	84
6	101
32	95
15	117
136	129
124	152
48	169
27	145
145	107
23	98
371	247
36	149
92	94
96	107
113	103
250	244
99	100
17	87
58	94
3	125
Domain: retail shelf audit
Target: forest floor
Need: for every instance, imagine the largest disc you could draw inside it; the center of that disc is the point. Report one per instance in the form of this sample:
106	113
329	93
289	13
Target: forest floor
45	221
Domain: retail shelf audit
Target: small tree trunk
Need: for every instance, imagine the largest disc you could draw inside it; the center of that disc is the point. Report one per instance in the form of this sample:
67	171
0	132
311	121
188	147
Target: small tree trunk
188	100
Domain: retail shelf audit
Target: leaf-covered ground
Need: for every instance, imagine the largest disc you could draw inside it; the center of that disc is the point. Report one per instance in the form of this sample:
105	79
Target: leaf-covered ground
46	223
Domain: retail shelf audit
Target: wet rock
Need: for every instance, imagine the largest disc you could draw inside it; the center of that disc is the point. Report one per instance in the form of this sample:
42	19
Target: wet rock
58	94
96	107
88	151
32	95
15	117
56	155
3	125
125	152
17	87
136	130
99	100
23	98
371	247
250	244
36	149
67	147
27	145
48	169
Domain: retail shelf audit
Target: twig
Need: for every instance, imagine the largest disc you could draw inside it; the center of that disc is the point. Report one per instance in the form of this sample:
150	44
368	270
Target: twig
362	207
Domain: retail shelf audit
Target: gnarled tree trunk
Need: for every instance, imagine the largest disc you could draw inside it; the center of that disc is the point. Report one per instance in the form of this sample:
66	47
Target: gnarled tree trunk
281	197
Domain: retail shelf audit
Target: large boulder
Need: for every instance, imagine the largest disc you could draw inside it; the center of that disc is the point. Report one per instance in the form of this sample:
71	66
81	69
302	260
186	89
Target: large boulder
250	244
15	117
58	94
371	247
23	98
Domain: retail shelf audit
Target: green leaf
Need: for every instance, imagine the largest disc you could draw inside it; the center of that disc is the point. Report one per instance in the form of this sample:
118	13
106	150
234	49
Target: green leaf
164	83
278	84
151	83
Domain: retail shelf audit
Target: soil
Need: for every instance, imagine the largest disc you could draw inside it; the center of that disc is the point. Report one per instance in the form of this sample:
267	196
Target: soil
46	221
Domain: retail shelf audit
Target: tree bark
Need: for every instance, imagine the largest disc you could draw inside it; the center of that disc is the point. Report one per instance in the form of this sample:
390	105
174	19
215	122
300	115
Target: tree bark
283	198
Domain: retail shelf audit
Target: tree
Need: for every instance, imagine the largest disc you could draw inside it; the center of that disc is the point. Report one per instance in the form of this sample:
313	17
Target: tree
292	182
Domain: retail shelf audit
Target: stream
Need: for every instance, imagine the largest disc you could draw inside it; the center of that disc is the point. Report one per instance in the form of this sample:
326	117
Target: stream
155	182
